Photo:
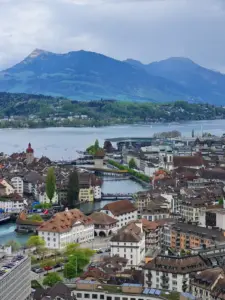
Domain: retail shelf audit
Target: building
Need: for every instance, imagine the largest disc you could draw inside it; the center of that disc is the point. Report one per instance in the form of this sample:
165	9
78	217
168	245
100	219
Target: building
208	283
123	211
86	289
194	162
57	292
86	192
213	217
152	232
99	158
129	242
70	226
29	154
190	208
41	195
104	224
17	183
13	203
171	272
187	236
31	181
13	286
154	212
7	188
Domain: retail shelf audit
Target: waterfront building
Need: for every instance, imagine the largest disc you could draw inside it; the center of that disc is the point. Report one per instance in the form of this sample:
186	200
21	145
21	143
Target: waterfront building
29	154
99	158
171	272
15	278
129	242
6	187
12	203
123	211
25	225
104	224
17	183
70	226
41	195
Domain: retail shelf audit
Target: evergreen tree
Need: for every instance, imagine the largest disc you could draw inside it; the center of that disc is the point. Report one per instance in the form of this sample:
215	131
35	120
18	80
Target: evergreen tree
50	183
132	164
73	189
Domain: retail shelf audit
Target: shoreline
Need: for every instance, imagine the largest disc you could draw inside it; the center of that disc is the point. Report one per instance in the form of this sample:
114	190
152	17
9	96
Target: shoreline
180	122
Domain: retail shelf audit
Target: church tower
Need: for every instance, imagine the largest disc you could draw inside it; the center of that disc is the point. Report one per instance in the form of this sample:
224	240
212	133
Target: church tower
29	154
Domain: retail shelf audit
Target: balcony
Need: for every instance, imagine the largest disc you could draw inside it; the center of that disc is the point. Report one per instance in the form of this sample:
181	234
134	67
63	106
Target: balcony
165	285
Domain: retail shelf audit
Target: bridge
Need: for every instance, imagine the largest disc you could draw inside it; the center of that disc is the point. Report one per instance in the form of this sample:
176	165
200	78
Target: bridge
118	196
108	172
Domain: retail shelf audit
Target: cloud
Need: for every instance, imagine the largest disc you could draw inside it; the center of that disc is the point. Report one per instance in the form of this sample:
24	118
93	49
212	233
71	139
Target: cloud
146	30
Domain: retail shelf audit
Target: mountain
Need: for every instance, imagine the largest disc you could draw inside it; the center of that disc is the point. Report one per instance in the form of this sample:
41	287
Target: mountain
84	75
203	84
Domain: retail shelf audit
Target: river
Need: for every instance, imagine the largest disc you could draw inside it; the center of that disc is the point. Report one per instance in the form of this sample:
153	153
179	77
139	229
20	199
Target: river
7	231
62	143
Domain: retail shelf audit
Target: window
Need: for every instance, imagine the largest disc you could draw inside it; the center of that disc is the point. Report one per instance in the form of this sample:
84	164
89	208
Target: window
124	298
117	298
94	296
124	255
131	256
87	296
102	297
79	295
109	298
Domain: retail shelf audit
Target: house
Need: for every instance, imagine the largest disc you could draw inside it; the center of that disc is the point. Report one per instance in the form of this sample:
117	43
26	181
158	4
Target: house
17	183
152	232
70	226
205	284
129	242
31	181
86	193
212	217
195	162
12	203
9	189
123	211
41	195
171	272
58	292
104	224
154	212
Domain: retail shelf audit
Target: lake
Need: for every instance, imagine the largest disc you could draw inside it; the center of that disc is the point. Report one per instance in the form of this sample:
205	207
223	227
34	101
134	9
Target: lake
62	143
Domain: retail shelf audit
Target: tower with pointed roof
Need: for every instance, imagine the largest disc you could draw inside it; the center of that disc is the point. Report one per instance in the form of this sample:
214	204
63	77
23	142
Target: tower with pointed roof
29	154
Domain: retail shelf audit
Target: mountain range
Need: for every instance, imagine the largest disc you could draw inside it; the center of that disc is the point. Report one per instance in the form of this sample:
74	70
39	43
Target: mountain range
84	75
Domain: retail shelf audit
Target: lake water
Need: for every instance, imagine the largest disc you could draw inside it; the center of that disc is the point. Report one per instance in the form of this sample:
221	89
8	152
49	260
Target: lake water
62	143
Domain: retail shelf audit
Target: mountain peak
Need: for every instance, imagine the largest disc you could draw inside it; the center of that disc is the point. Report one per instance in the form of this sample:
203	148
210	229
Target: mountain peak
37	52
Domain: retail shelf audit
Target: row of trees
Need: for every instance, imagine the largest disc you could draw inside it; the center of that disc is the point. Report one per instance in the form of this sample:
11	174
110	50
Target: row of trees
134	173
72	191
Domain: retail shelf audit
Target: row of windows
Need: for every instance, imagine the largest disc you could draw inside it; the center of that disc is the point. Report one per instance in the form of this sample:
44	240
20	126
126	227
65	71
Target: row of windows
104	297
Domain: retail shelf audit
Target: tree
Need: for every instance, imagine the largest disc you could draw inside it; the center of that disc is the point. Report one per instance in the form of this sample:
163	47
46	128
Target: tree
36	218
14	244
36	241
50	183
51	279
47	263
73	189
132	164
221	201
70	271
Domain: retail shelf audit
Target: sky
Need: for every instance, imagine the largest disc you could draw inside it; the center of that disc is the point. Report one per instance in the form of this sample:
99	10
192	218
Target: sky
146	30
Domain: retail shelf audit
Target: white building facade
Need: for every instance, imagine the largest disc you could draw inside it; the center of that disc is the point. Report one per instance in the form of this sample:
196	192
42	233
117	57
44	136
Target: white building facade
17	183
12	206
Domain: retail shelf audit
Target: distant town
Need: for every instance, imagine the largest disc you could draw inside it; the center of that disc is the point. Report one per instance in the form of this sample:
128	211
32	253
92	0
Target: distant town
164	241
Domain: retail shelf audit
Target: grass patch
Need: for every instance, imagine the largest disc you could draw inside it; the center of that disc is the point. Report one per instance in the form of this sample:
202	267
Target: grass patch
171	296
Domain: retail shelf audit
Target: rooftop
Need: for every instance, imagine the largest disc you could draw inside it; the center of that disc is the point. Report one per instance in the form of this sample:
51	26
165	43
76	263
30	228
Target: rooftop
9	263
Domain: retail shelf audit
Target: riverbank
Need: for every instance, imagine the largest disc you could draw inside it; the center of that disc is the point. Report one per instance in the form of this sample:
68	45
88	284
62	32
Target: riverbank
142	178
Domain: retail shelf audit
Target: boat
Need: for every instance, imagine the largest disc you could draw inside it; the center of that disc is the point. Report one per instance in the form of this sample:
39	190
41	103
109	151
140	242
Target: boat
4	218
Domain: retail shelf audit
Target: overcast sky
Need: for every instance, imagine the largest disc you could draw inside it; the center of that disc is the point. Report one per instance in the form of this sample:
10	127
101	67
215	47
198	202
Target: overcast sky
146	30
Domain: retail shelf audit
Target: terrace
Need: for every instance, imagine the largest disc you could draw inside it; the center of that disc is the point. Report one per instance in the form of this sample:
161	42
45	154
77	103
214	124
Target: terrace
10	263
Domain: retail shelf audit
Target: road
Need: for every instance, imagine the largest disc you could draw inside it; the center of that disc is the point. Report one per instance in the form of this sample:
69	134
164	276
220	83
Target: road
97	243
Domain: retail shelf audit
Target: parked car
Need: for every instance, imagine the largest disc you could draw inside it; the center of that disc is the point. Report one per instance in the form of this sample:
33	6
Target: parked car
47	268
58	265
